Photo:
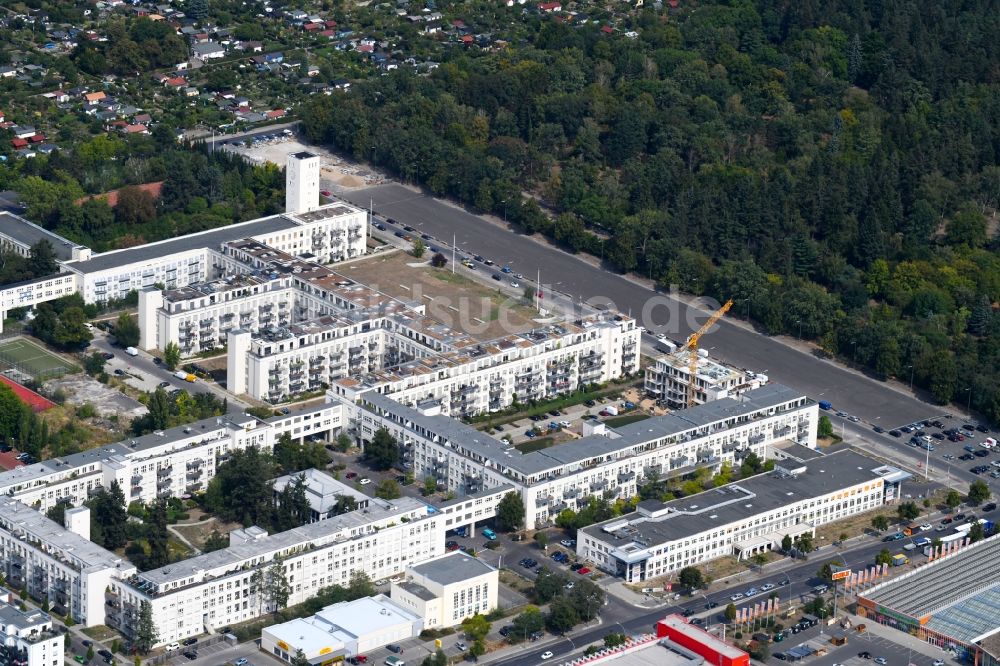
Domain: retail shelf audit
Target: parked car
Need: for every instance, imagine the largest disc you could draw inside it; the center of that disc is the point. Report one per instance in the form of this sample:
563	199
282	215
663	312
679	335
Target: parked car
365	481
188	641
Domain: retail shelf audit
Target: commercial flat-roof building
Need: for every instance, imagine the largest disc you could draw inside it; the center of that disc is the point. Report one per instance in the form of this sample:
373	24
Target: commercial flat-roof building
743	518
28	639
446	590
713	650
342	630
610	462
952	602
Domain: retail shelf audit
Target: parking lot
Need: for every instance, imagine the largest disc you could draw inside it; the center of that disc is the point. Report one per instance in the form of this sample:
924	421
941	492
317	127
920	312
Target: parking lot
876	647
944	440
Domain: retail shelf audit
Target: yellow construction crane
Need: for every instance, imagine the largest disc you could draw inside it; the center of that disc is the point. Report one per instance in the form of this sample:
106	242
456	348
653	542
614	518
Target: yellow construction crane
692	346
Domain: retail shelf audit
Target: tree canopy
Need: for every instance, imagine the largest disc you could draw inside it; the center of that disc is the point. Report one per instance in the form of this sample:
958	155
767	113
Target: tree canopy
830	166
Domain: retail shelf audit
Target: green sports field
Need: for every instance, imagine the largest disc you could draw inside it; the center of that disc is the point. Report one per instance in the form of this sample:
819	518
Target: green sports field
27	357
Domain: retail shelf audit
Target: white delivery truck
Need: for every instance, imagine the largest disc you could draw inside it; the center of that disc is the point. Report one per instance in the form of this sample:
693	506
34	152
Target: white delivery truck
131	351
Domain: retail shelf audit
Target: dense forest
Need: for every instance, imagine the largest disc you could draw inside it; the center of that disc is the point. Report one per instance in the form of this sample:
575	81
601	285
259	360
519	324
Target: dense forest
830	166
201	189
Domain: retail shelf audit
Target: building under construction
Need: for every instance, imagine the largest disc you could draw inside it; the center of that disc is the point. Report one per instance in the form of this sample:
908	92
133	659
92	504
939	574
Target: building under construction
668	379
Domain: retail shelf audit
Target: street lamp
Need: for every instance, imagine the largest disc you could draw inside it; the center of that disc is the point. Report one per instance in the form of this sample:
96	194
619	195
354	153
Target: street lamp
910	367
968	404
799	322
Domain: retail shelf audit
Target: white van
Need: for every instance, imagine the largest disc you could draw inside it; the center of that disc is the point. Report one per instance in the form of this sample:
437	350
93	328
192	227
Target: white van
131	351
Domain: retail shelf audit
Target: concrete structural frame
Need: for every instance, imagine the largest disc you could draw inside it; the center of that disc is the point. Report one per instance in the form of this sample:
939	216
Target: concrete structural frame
668	379
743	518
302	182
609	463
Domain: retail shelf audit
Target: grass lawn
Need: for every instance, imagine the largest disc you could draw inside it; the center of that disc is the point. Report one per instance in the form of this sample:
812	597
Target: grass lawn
536	444
618	421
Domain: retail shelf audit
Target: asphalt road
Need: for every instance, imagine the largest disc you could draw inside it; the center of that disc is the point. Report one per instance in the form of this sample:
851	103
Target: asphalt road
147	375
795	583
658	312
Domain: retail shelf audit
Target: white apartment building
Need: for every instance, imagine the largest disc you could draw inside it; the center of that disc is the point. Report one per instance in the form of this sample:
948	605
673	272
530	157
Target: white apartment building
166	463
51	561
28	639
608	461
668	379
293	326
446	590
330	233
218	588
742	518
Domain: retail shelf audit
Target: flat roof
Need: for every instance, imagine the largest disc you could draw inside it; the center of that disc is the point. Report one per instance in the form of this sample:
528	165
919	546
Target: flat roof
340	623
18	518
681	625
653	653
212	238
9	615
620	438
452	568
29	233
323	532
959	593
658	522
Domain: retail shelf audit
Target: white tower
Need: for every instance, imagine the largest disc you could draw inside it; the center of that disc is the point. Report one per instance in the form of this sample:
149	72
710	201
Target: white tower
302	182
78	520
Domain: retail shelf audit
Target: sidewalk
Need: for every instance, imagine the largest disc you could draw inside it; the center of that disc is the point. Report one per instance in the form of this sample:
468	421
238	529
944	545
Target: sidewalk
899	637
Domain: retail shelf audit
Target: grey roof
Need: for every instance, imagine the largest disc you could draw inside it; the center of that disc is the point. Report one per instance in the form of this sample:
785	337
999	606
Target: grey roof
417	590
9	615
452	568
28	233
661	522
560	455
212	238
311	533
961	592
18	518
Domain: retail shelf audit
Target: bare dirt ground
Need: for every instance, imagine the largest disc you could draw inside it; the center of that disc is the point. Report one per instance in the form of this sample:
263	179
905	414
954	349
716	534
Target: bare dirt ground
452	298
199	527
108	402
333	168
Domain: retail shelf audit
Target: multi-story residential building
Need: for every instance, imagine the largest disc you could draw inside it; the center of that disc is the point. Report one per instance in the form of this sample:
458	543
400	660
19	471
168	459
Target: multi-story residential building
53	562
328	233
28	639
608	462
743	518
668	379
331	233
166	463
294	326
228	586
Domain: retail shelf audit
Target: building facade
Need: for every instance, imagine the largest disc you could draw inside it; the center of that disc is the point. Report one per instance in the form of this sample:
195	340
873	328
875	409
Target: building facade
610	462
744	518
28	639
668	379
230	586
449	589
52	562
